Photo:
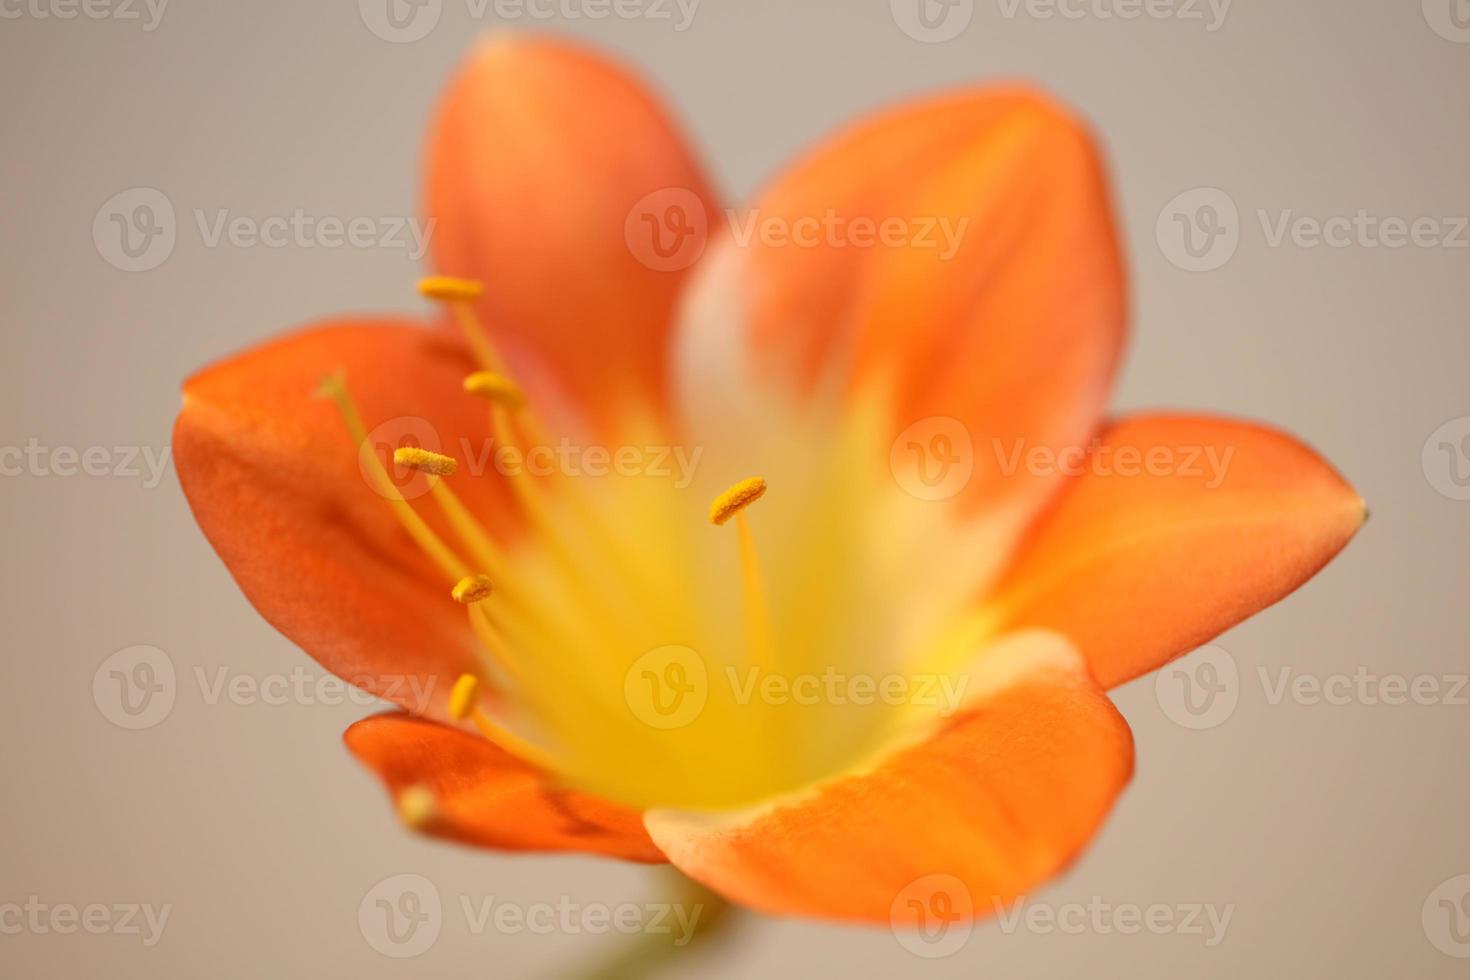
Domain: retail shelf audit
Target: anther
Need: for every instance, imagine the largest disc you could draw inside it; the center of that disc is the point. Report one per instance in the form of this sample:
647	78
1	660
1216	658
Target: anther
416	807
421	459
736	499
448	289
496	388
471	589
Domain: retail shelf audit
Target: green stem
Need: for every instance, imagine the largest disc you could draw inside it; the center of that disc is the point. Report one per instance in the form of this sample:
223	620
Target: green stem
650	952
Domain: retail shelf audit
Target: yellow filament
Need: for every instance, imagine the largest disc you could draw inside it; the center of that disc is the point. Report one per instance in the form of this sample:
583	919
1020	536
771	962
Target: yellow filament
462	706
736	499
335	388
462	697
421	459
460	295
757	614
472	589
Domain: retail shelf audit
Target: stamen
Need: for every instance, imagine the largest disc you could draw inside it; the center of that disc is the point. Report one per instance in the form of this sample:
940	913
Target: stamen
421	459
416	807
495	387
732	503
335	387
460	294
448	289
472	589
736	499
462	705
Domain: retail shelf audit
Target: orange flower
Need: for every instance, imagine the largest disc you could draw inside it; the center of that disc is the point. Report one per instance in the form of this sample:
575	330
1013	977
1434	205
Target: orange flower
893	663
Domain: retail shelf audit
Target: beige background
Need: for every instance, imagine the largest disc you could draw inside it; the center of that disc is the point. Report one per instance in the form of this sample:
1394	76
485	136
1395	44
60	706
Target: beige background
1326	827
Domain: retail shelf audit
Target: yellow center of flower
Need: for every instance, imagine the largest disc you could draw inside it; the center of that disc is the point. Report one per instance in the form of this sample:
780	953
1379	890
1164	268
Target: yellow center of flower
635	651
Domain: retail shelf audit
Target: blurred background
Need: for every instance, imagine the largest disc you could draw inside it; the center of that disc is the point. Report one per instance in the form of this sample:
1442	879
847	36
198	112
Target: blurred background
1330	830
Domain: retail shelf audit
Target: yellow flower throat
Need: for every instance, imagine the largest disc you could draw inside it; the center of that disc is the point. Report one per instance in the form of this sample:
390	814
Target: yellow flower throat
619	650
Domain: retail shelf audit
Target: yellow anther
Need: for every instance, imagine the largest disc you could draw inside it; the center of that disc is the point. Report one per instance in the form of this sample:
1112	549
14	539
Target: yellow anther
421	459
462	698
736	499
416	807
448	289
496	388
472	588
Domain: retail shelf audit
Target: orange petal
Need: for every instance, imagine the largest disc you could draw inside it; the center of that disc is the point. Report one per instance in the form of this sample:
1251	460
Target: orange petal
1143	561
1000	800
996	299
541	153
274	481
487	798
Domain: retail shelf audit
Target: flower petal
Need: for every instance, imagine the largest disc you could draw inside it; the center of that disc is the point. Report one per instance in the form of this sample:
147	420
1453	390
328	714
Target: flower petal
487	798
541	152
1179	528
958	254
1001	799
274	481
